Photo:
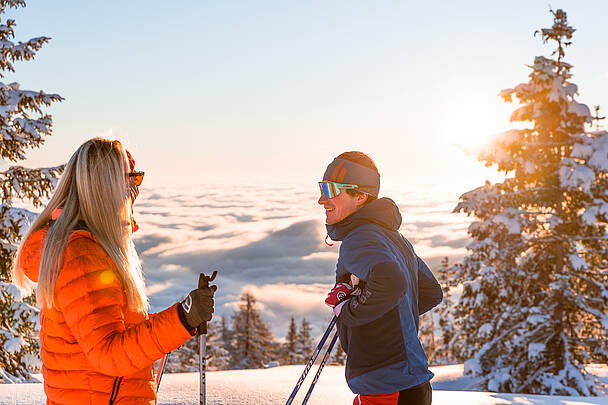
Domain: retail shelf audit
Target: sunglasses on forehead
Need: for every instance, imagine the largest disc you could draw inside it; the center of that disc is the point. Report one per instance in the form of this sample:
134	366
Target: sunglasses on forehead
331	189
137	177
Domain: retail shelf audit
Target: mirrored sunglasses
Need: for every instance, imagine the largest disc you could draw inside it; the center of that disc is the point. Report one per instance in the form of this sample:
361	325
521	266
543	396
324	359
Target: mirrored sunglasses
331	189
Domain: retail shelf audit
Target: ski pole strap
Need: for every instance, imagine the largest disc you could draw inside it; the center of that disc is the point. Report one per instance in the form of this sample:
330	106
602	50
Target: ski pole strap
203	282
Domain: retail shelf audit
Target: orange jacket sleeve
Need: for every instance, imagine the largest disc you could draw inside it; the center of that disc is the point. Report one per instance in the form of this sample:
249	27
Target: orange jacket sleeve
92	300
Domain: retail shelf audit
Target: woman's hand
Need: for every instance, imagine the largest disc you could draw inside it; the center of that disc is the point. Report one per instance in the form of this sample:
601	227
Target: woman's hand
197	307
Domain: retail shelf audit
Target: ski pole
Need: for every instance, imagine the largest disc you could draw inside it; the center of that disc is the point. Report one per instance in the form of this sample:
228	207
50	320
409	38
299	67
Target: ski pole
203	282
314	356
323	362
161	370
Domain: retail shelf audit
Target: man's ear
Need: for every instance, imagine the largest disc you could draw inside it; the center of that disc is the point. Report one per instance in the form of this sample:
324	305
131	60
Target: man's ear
361	199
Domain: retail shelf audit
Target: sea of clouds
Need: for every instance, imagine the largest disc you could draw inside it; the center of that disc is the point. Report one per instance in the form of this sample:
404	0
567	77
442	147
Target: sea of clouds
269	240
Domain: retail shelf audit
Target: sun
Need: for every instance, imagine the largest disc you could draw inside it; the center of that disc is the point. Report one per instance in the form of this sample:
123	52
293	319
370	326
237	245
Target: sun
473	122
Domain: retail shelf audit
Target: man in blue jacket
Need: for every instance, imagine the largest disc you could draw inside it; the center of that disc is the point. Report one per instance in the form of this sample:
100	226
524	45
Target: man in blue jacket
378	328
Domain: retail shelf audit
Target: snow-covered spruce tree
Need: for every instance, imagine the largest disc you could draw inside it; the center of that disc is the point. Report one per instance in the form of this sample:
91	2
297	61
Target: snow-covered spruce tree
305	345
218	346
252	341
533	310
437	329
23	125
426	334
184	359
444	347
339	358
290	347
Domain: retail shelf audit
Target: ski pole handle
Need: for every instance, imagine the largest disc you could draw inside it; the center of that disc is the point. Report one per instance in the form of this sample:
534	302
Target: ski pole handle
203	282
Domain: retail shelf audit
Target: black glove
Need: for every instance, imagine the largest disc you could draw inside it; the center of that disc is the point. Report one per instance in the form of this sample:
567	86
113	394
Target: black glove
197	308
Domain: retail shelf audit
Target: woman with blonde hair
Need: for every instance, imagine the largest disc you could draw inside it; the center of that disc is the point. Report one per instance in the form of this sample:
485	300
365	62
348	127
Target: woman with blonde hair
98	343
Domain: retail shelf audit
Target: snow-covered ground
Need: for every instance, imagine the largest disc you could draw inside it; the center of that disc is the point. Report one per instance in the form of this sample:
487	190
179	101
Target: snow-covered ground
273	386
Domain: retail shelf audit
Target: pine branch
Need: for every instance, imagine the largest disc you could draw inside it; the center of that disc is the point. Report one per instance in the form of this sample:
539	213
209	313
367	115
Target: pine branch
34	185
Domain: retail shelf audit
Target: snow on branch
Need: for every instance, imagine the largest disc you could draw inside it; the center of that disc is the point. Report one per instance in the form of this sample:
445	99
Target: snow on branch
32	184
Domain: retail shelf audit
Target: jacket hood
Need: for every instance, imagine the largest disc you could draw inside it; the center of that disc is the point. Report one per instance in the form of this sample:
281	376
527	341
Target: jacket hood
382	212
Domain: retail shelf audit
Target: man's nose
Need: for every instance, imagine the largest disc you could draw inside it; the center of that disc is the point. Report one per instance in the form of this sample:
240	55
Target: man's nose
322	199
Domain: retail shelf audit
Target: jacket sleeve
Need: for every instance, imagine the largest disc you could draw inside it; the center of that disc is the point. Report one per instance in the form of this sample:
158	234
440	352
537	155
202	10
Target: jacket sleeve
385	286
429	290
92	298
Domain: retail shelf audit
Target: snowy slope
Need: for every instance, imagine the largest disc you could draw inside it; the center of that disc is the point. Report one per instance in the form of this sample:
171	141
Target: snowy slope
272	386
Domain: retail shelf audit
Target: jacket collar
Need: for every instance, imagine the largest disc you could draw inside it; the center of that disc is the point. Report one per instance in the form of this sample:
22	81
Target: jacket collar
382	212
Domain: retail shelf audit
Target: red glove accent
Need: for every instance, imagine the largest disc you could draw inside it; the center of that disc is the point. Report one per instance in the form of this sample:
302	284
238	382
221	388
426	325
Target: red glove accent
339	293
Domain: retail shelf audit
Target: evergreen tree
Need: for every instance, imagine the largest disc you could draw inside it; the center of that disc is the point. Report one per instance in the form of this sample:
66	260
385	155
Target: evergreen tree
22	126
252	341
535	283
184	359
444	351
305	345
218	346
339	357
290	347
426	335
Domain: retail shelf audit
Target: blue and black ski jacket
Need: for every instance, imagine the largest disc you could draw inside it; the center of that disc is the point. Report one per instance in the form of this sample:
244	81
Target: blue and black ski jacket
379	328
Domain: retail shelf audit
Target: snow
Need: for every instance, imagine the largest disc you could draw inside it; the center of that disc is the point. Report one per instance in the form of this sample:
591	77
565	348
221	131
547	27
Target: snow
573	175
535	349
273	386
486	330
594	150
511	224
577	262
580	109
599	157
14	344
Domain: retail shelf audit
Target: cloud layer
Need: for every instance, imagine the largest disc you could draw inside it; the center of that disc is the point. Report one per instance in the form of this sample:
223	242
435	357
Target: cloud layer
269	241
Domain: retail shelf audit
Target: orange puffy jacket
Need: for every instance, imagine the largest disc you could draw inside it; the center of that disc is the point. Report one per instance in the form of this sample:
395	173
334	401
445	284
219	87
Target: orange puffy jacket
93	347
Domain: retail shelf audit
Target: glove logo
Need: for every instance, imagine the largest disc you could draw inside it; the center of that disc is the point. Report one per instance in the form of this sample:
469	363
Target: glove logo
341	295
187	304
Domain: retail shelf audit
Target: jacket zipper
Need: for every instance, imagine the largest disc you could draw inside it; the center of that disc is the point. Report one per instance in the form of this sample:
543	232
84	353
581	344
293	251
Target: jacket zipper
115	388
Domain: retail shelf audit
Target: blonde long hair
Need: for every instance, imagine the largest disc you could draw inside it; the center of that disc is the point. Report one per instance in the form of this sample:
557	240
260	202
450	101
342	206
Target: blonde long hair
93	189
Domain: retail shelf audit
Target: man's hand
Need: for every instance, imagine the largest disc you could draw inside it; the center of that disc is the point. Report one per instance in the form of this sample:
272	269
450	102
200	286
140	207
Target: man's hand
339	293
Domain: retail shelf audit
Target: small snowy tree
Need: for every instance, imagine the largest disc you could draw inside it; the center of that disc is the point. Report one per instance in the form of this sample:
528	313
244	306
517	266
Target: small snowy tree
184	359
426	335
290	347
305	345
22	126
444	348
252	341
339	357
437	327
218	345
533	310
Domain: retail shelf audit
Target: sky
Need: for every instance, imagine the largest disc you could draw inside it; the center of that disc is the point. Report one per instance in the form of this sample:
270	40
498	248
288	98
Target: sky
234	109
246	91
